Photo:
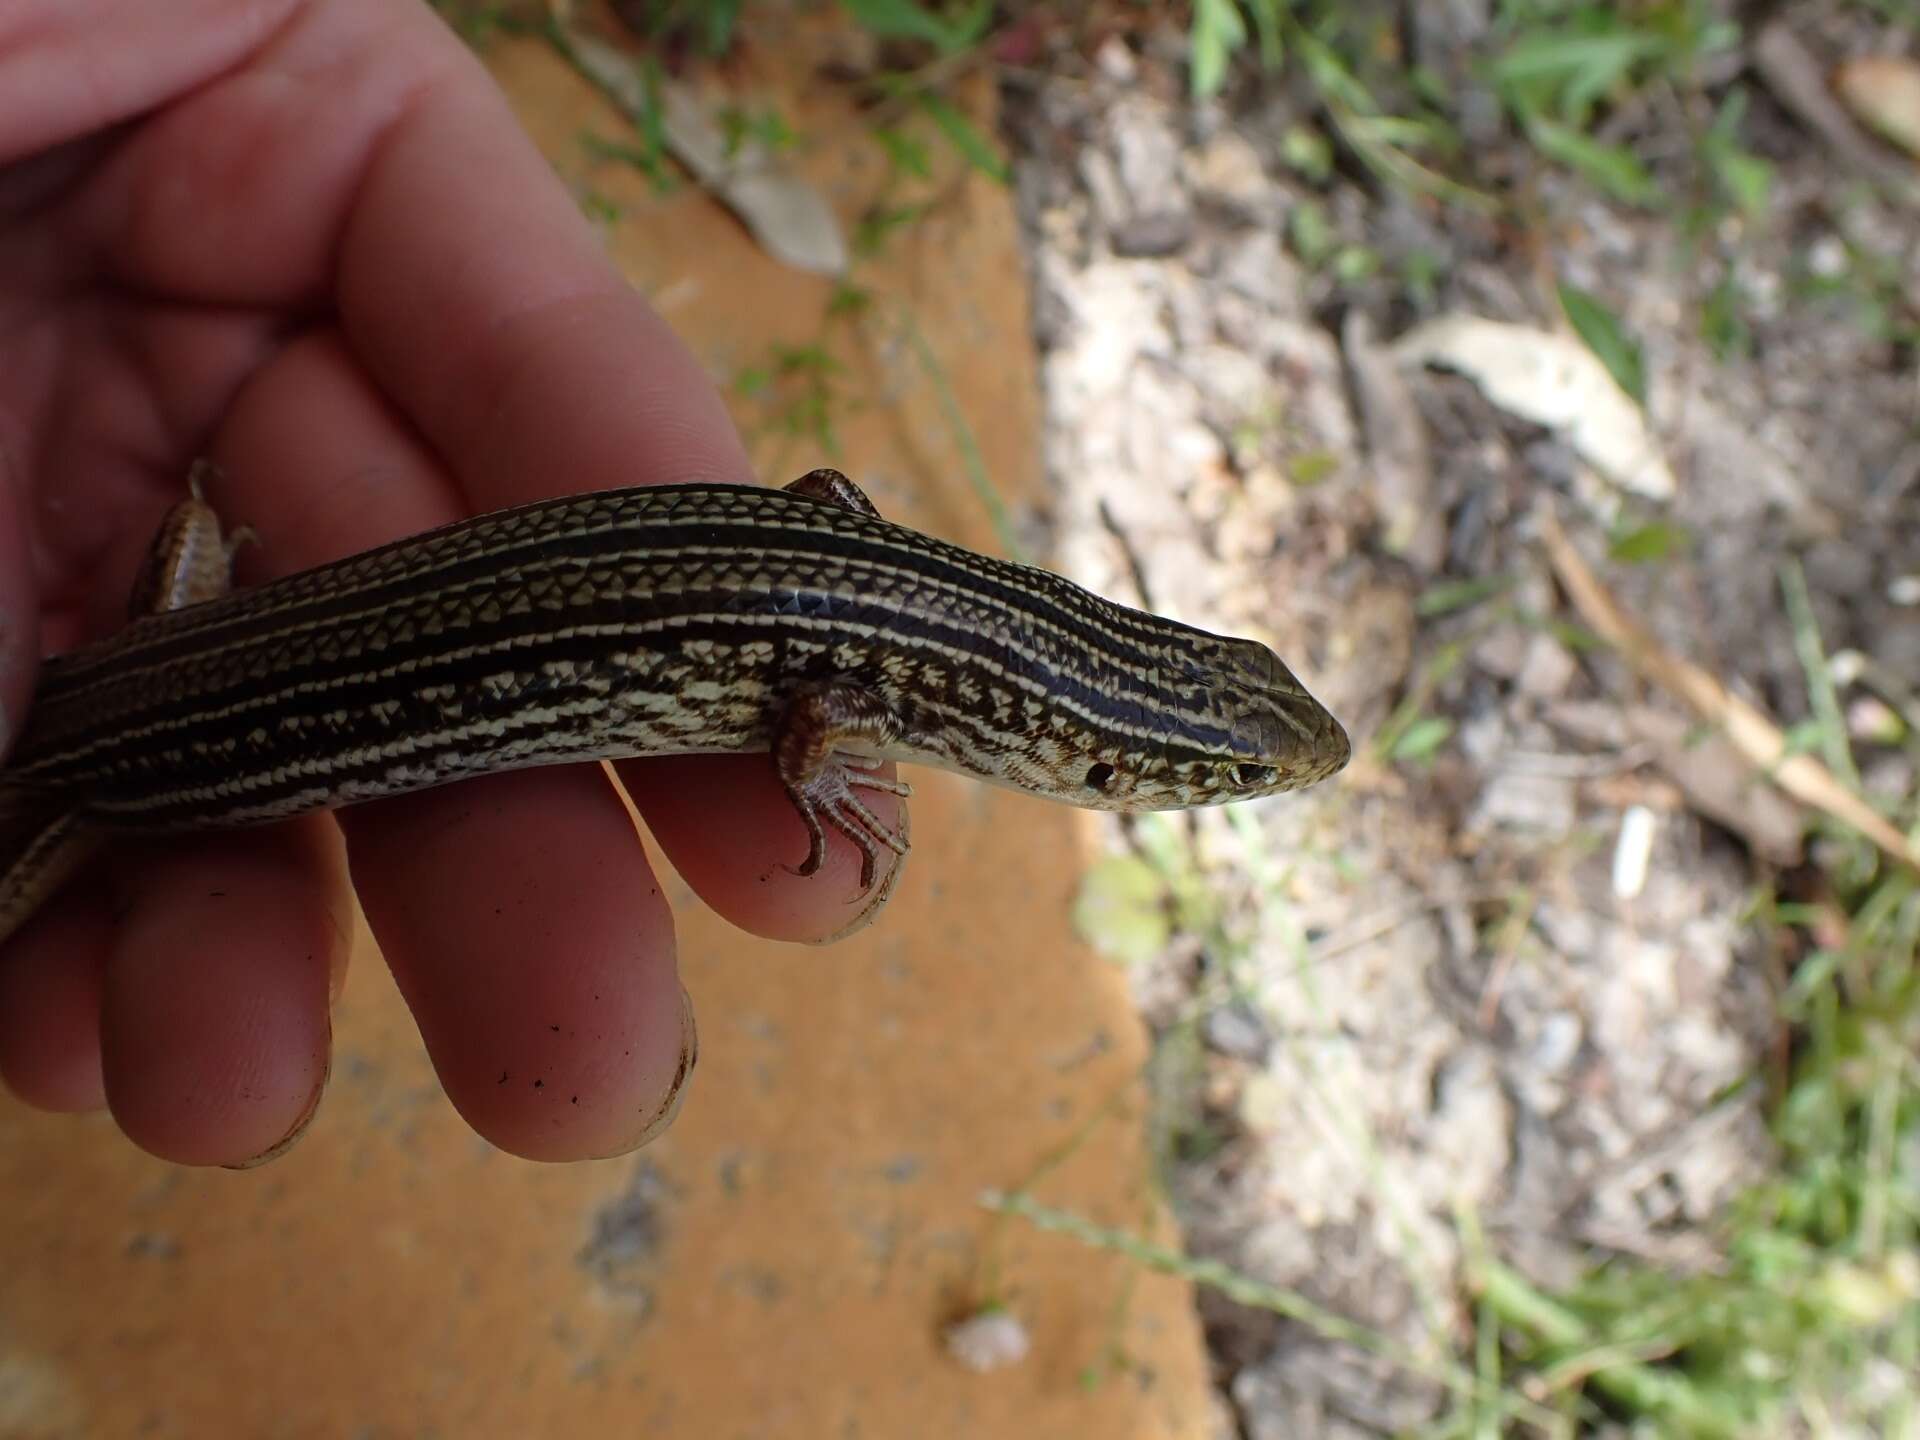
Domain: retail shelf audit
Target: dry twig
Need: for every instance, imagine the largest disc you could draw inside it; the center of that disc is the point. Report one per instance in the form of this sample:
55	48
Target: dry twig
1750	731
1799	83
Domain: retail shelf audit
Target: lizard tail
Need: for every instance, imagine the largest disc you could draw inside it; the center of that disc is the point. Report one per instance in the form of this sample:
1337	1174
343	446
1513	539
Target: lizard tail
41	845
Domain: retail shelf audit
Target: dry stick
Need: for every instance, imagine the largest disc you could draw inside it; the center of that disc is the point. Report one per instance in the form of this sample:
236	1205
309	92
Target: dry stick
1750	731
1799	82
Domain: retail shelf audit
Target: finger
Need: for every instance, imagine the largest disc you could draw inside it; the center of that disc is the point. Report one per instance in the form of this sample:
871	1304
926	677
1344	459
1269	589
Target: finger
547	373
546	992
50	971
113	470
50	987
570	990
69	69
215	1030
19	604
467	281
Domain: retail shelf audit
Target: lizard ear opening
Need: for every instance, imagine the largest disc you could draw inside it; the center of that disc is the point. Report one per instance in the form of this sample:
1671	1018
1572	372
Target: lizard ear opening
1099	776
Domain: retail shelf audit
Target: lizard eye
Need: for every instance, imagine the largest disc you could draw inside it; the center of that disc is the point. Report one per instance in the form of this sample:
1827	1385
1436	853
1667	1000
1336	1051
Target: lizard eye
1251	777
1099	776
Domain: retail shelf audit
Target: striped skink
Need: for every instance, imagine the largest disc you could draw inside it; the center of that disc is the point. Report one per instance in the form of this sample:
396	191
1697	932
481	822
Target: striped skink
669	619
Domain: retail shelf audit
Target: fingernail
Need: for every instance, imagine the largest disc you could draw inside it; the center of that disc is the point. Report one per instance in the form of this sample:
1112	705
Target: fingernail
292	1137
677	1091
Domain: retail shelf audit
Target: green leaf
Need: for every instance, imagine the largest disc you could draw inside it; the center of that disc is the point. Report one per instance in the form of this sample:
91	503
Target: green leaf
1723	320
1742	177
601	207
1423	738
1645	544
717	19
1745	177
1310	232
478	24
849	299
877	226
905	153
1803	738
764	127
1334	77
1600	329
904	20
1420	274
1354	263
1218	32
1306	150
1266	20
1576	638
965	136
1574	71
1614	168
1311	467
1449	596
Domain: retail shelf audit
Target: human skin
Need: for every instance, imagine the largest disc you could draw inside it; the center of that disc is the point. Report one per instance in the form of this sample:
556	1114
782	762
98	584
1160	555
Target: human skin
309	241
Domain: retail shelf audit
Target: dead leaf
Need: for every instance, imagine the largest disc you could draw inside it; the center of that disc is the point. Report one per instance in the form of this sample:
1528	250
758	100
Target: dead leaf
1883	92
1552	380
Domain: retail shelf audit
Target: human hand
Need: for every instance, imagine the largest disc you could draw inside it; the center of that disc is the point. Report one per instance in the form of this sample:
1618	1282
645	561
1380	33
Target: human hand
311	242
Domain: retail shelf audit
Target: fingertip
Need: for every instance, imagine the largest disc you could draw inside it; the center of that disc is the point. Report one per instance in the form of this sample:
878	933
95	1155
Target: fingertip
537	955
50	989
216	1031
728	827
